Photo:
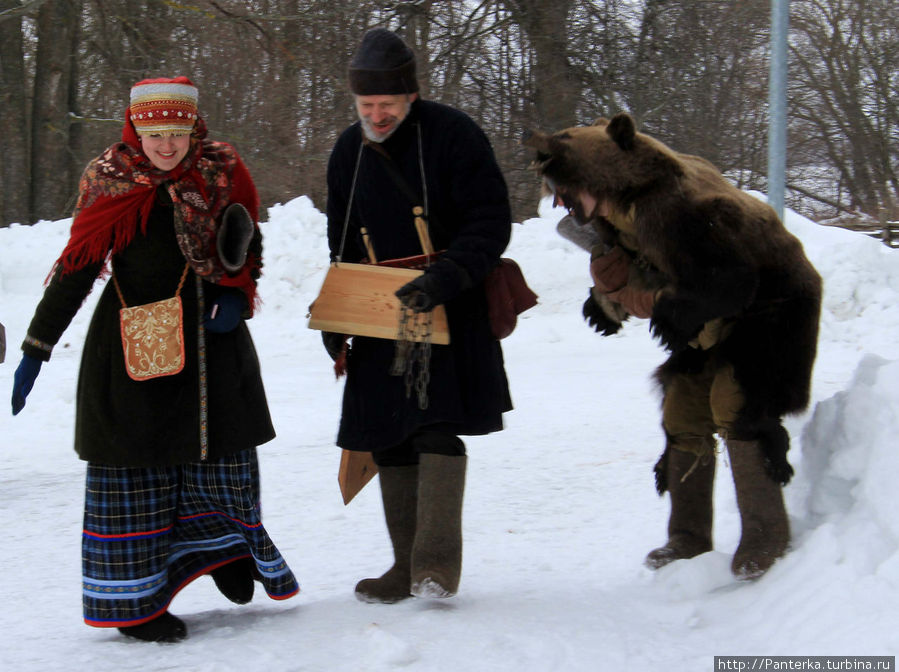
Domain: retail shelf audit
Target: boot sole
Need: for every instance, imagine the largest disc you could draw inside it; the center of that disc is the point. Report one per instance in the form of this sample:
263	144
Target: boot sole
429	588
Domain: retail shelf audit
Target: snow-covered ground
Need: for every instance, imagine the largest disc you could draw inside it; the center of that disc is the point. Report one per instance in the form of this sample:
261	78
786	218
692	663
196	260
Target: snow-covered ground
560	507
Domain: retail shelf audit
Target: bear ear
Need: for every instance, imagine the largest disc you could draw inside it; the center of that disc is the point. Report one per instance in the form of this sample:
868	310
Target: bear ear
621	129
547	146
600	121
535	140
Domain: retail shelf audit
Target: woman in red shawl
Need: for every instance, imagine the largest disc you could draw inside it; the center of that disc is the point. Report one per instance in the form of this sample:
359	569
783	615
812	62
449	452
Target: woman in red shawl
170	435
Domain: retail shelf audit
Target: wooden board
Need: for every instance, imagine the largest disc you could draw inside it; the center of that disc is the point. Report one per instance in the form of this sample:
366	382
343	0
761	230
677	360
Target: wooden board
356	470
359	300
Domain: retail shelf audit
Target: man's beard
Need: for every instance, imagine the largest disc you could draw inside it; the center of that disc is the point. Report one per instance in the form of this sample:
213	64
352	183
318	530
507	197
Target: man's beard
373	135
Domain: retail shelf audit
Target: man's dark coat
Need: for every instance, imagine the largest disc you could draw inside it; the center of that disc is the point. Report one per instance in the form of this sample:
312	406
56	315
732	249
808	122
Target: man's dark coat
469	217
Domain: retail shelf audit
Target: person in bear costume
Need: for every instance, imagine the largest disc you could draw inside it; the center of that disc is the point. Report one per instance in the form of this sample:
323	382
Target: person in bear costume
729	293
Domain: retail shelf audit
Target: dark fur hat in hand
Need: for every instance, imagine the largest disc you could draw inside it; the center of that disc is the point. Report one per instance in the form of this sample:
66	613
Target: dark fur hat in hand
383	65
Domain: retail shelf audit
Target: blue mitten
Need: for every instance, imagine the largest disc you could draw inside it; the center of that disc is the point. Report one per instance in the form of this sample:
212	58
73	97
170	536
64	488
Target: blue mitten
23	381
224	315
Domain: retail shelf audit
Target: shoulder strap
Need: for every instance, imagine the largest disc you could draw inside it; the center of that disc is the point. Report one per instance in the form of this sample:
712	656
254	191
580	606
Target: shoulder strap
419	212
396	175
423	220
118	289
349	205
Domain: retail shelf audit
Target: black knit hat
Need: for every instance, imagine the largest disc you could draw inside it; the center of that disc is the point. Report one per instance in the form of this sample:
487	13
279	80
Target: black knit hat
383	65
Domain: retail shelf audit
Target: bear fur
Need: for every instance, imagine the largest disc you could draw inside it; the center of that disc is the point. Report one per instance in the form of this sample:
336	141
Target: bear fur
711	254
722	254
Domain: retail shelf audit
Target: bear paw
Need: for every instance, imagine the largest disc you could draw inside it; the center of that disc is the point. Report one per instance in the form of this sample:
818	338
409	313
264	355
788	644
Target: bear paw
675	322
598	318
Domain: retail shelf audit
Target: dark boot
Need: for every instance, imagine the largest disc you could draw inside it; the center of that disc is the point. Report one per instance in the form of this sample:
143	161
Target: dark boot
690	481
235	580
399	494
766	530
163	628
437	552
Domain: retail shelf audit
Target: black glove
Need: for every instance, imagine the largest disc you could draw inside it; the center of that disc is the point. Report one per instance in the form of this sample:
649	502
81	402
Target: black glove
418	295
597	318
444	280
333	343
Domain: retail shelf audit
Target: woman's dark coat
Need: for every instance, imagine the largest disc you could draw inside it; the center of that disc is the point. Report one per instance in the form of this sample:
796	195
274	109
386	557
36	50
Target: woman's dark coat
120	421
469	217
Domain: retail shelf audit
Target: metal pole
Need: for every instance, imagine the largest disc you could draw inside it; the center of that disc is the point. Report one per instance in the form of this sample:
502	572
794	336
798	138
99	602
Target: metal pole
777	105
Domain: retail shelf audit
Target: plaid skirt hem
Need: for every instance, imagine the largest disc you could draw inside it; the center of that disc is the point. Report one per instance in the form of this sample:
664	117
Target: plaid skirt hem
285	595
149	532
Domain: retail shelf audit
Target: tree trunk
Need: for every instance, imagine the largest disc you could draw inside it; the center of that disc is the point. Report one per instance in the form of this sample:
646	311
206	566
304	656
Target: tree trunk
556	90
13	122
52	165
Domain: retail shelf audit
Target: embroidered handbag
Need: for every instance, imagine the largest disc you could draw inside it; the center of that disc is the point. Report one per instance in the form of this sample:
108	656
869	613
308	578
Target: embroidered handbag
153	335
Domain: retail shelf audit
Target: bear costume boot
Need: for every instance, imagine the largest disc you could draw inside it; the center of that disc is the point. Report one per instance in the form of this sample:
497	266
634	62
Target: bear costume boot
690	481
399	494
766	529
437	551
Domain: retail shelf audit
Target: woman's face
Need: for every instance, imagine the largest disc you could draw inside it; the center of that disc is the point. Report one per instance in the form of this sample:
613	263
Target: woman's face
165	150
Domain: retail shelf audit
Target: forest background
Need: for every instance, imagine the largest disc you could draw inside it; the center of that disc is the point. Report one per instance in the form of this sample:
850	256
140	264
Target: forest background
272	80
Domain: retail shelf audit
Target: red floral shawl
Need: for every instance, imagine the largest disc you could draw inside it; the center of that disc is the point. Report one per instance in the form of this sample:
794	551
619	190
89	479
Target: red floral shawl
118	189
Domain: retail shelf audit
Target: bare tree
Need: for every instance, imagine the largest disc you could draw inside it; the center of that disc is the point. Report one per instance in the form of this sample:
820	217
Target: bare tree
14	165
52	164
845	101
272	80
556	90
700	78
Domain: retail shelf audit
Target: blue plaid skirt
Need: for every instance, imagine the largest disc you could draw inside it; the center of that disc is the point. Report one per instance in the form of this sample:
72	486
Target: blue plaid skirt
149	531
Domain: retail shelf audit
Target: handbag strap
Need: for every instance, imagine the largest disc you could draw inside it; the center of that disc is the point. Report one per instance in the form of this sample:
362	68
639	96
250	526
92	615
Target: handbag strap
118	289
349	204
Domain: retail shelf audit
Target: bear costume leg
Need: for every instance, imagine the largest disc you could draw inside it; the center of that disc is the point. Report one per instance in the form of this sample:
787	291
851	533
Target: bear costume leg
399	494
689	477
766	529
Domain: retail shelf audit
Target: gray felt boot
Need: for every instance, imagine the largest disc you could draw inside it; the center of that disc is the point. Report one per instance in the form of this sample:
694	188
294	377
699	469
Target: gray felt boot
690	479
766	529
399	494
437	552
